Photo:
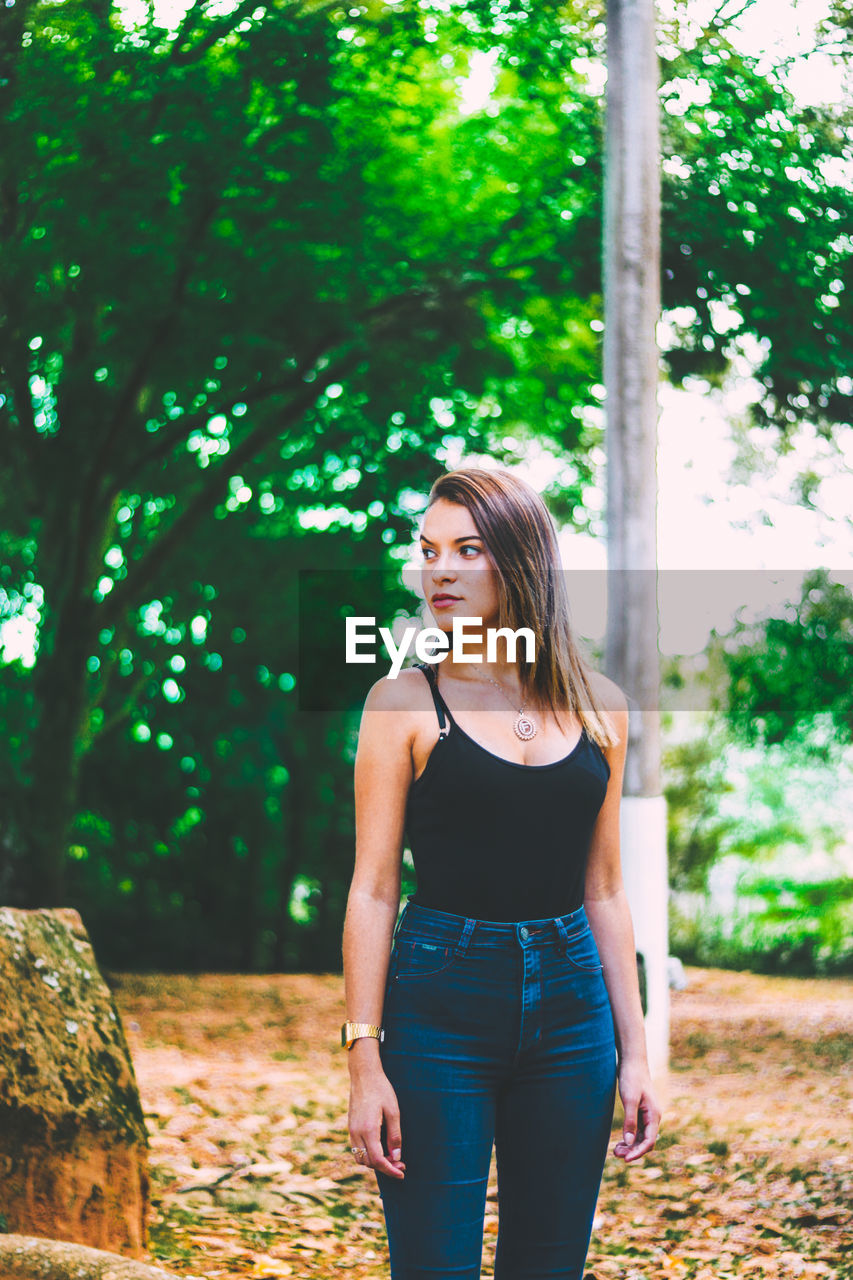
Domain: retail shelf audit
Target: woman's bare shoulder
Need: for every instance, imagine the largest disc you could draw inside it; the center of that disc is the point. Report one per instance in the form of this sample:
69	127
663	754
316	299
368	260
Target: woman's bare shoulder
393	716
607	692
408	690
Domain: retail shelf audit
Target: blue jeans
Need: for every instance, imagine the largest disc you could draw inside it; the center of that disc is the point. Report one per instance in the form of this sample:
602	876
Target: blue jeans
496	1033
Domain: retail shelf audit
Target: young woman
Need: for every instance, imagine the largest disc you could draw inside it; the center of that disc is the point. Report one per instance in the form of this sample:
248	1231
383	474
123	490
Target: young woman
510	1009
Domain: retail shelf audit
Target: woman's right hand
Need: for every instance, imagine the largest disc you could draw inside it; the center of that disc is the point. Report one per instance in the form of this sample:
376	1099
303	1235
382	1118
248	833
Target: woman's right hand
372	1099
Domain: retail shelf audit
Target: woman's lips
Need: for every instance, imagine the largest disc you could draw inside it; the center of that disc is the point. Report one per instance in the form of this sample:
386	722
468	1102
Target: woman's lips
442	601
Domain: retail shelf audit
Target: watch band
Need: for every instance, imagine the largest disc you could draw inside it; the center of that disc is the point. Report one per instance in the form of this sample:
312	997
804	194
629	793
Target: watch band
352	1031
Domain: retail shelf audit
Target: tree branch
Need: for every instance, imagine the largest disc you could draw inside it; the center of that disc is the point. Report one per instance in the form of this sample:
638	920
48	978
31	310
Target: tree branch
224	26
121	714
122	639
186	26
168	439
378	319
19	438
207	497
159	333
388	307
89	505
388	310
718	21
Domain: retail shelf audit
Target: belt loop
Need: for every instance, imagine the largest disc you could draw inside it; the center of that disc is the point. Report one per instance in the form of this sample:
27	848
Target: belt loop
573	917
465	936
562	930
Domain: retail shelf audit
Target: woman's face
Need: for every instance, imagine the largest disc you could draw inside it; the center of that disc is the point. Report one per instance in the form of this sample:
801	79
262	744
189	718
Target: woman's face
457	564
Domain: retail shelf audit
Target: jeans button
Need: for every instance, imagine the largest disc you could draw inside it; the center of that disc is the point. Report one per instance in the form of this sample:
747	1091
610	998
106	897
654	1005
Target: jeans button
524	932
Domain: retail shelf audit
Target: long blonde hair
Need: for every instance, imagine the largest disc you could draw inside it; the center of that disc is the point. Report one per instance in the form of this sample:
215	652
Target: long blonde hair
521	539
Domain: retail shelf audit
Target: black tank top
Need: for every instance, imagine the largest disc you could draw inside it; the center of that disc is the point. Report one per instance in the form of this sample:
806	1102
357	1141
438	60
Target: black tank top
498	840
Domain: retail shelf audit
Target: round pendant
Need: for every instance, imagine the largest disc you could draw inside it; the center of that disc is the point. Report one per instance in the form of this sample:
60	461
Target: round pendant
525	728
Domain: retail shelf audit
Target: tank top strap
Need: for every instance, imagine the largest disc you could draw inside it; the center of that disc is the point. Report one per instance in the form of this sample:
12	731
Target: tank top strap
440	705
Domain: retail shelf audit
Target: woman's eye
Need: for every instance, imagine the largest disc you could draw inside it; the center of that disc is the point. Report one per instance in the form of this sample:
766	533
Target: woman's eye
426	552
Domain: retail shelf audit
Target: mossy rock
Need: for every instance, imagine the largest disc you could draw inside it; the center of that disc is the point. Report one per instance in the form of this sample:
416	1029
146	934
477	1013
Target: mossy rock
73	1142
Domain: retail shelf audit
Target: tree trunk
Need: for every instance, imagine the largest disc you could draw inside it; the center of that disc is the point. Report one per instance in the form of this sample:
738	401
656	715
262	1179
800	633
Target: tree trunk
632	308
60	695
287	870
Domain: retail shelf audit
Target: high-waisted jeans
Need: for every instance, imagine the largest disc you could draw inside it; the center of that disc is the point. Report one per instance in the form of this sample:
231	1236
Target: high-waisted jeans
496	1033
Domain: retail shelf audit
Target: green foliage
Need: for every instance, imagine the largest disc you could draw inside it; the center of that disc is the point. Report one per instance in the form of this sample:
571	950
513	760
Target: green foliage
694	780
258	274
787	673
725	798
806	929
758	218
770	815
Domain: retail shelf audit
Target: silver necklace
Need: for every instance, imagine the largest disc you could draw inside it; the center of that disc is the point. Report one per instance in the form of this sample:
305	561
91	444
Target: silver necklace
524	726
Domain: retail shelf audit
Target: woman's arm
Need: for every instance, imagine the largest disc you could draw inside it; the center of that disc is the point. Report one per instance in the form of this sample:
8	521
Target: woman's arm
609	917
383	774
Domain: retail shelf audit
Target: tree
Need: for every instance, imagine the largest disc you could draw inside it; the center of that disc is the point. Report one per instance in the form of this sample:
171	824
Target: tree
791	674
210	236
632	309
757	218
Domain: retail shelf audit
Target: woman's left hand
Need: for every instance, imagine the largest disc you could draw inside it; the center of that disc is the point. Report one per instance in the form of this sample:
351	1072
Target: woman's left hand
642	1113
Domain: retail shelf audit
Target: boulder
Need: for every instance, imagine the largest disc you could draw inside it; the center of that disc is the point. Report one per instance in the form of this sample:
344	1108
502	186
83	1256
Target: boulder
73	1142
28	1258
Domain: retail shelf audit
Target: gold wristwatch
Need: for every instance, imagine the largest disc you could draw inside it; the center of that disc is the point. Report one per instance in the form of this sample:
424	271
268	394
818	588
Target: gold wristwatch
352	1031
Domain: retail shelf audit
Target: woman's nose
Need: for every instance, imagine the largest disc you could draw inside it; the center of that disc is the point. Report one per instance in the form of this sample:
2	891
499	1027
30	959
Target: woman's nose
442	564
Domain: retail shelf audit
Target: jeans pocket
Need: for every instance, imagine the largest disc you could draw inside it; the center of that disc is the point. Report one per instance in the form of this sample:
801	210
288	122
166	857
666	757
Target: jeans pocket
581	952
421	958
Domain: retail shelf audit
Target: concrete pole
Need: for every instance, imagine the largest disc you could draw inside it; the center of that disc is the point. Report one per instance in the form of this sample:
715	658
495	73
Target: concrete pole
631	311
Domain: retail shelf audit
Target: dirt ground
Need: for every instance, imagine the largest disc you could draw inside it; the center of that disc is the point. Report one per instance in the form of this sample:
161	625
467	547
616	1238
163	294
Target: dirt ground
245	1089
